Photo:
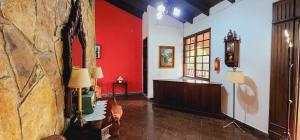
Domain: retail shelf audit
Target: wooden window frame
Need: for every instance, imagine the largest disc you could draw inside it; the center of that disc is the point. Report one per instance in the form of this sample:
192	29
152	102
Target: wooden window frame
195	56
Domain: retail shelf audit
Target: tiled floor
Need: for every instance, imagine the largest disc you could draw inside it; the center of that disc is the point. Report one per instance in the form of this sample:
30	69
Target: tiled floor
143	121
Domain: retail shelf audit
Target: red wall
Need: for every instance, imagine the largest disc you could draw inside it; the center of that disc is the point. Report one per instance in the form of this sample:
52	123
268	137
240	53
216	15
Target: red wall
120	36
76	53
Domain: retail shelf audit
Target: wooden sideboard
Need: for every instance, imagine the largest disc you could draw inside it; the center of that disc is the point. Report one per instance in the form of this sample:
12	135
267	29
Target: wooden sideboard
92	130
195	96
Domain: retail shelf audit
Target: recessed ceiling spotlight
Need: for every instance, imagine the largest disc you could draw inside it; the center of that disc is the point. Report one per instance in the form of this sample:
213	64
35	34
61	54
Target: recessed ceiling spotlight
159	15
176	12
161	8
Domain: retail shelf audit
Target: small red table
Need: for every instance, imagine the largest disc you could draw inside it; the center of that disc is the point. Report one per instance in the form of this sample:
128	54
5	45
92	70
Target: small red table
122	84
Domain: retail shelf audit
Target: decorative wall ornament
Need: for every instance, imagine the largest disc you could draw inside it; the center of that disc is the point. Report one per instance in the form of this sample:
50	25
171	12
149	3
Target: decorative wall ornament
232	49
72	29
120	79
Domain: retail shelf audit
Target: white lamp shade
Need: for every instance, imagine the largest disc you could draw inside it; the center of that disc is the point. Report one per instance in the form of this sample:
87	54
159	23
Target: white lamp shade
235	77
98	73
80	78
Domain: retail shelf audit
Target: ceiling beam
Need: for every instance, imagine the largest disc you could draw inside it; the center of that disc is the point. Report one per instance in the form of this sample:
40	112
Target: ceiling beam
232	1
126	7
138	4
183	18
201	5
190	8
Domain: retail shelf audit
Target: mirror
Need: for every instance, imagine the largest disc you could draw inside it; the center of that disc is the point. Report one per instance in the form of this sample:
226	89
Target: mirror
74	51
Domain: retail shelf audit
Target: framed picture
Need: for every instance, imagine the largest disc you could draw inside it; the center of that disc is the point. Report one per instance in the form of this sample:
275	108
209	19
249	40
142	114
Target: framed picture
166	56
98	51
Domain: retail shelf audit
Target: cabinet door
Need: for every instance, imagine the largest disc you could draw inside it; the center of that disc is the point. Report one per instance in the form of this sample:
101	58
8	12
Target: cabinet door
174	92
191	96
157	88
168	93
211	98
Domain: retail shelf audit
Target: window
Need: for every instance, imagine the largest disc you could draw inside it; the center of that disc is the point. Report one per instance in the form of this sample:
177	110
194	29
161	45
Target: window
197	55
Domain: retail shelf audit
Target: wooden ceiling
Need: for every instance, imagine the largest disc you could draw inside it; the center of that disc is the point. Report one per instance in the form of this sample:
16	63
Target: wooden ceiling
189	8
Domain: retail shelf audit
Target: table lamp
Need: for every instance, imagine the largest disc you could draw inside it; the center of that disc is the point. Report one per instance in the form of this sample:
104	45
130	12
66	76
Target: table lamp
98	74
235	77
79	79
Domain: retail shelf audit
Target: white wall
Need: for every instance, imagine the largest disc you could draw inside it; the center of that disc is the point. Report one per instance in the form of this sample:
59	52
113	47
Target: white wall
252	20
165	32
145	25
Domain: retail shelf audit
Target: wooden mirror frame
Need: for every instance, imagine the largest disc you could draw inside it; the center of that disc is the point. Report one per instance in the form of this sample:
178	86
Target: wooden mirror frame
72	29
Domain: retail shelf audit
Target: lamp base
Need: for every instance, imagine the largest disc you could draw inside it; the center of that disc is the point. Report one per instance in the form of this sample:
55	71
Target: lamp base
79	121
233	122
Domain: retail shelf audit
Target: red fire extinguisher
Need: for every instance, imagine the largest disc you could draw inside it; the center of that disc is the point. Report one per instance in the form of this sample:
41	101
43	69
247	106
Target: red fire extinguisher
217	65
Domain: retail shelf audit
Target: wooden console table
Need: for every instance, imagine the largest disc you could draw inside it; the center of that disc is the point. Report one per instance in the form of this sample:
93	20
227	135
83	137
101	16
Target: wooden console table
123	84
196	96
91	130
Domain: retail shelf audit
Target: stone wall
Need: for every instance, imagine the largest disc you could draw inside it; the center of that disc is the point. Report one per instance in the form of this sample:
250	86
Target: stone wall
31	86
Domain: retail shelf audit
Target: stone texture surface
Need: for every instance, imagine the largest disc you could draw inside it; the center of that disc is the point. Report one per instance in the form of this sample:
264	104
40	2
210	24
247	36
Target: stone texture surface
88	21
62	11
20	55
22	13
2	19
45	23
41	100
9	118
59	55
31	66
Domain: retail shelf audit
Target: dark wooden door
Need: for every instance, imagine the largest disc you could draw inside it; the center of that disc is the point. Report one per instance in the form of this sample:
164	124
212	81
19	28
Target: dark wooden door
284	17
145	65
296	78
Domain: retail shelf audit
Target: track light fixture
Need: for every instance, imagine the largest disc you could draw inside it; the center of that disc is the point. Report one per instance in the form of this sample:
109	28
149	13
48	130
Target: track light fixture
176	12
164	8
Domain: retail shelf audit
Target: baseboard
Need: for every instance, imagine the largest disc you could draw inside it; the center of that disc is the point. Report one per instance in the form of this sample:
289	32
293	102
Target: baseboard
249	128
192	111
150	99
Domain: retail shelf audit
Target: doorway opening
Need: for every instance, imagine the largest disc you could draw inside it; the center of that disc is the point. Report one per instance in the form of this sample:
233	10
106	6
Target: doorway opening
145	66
